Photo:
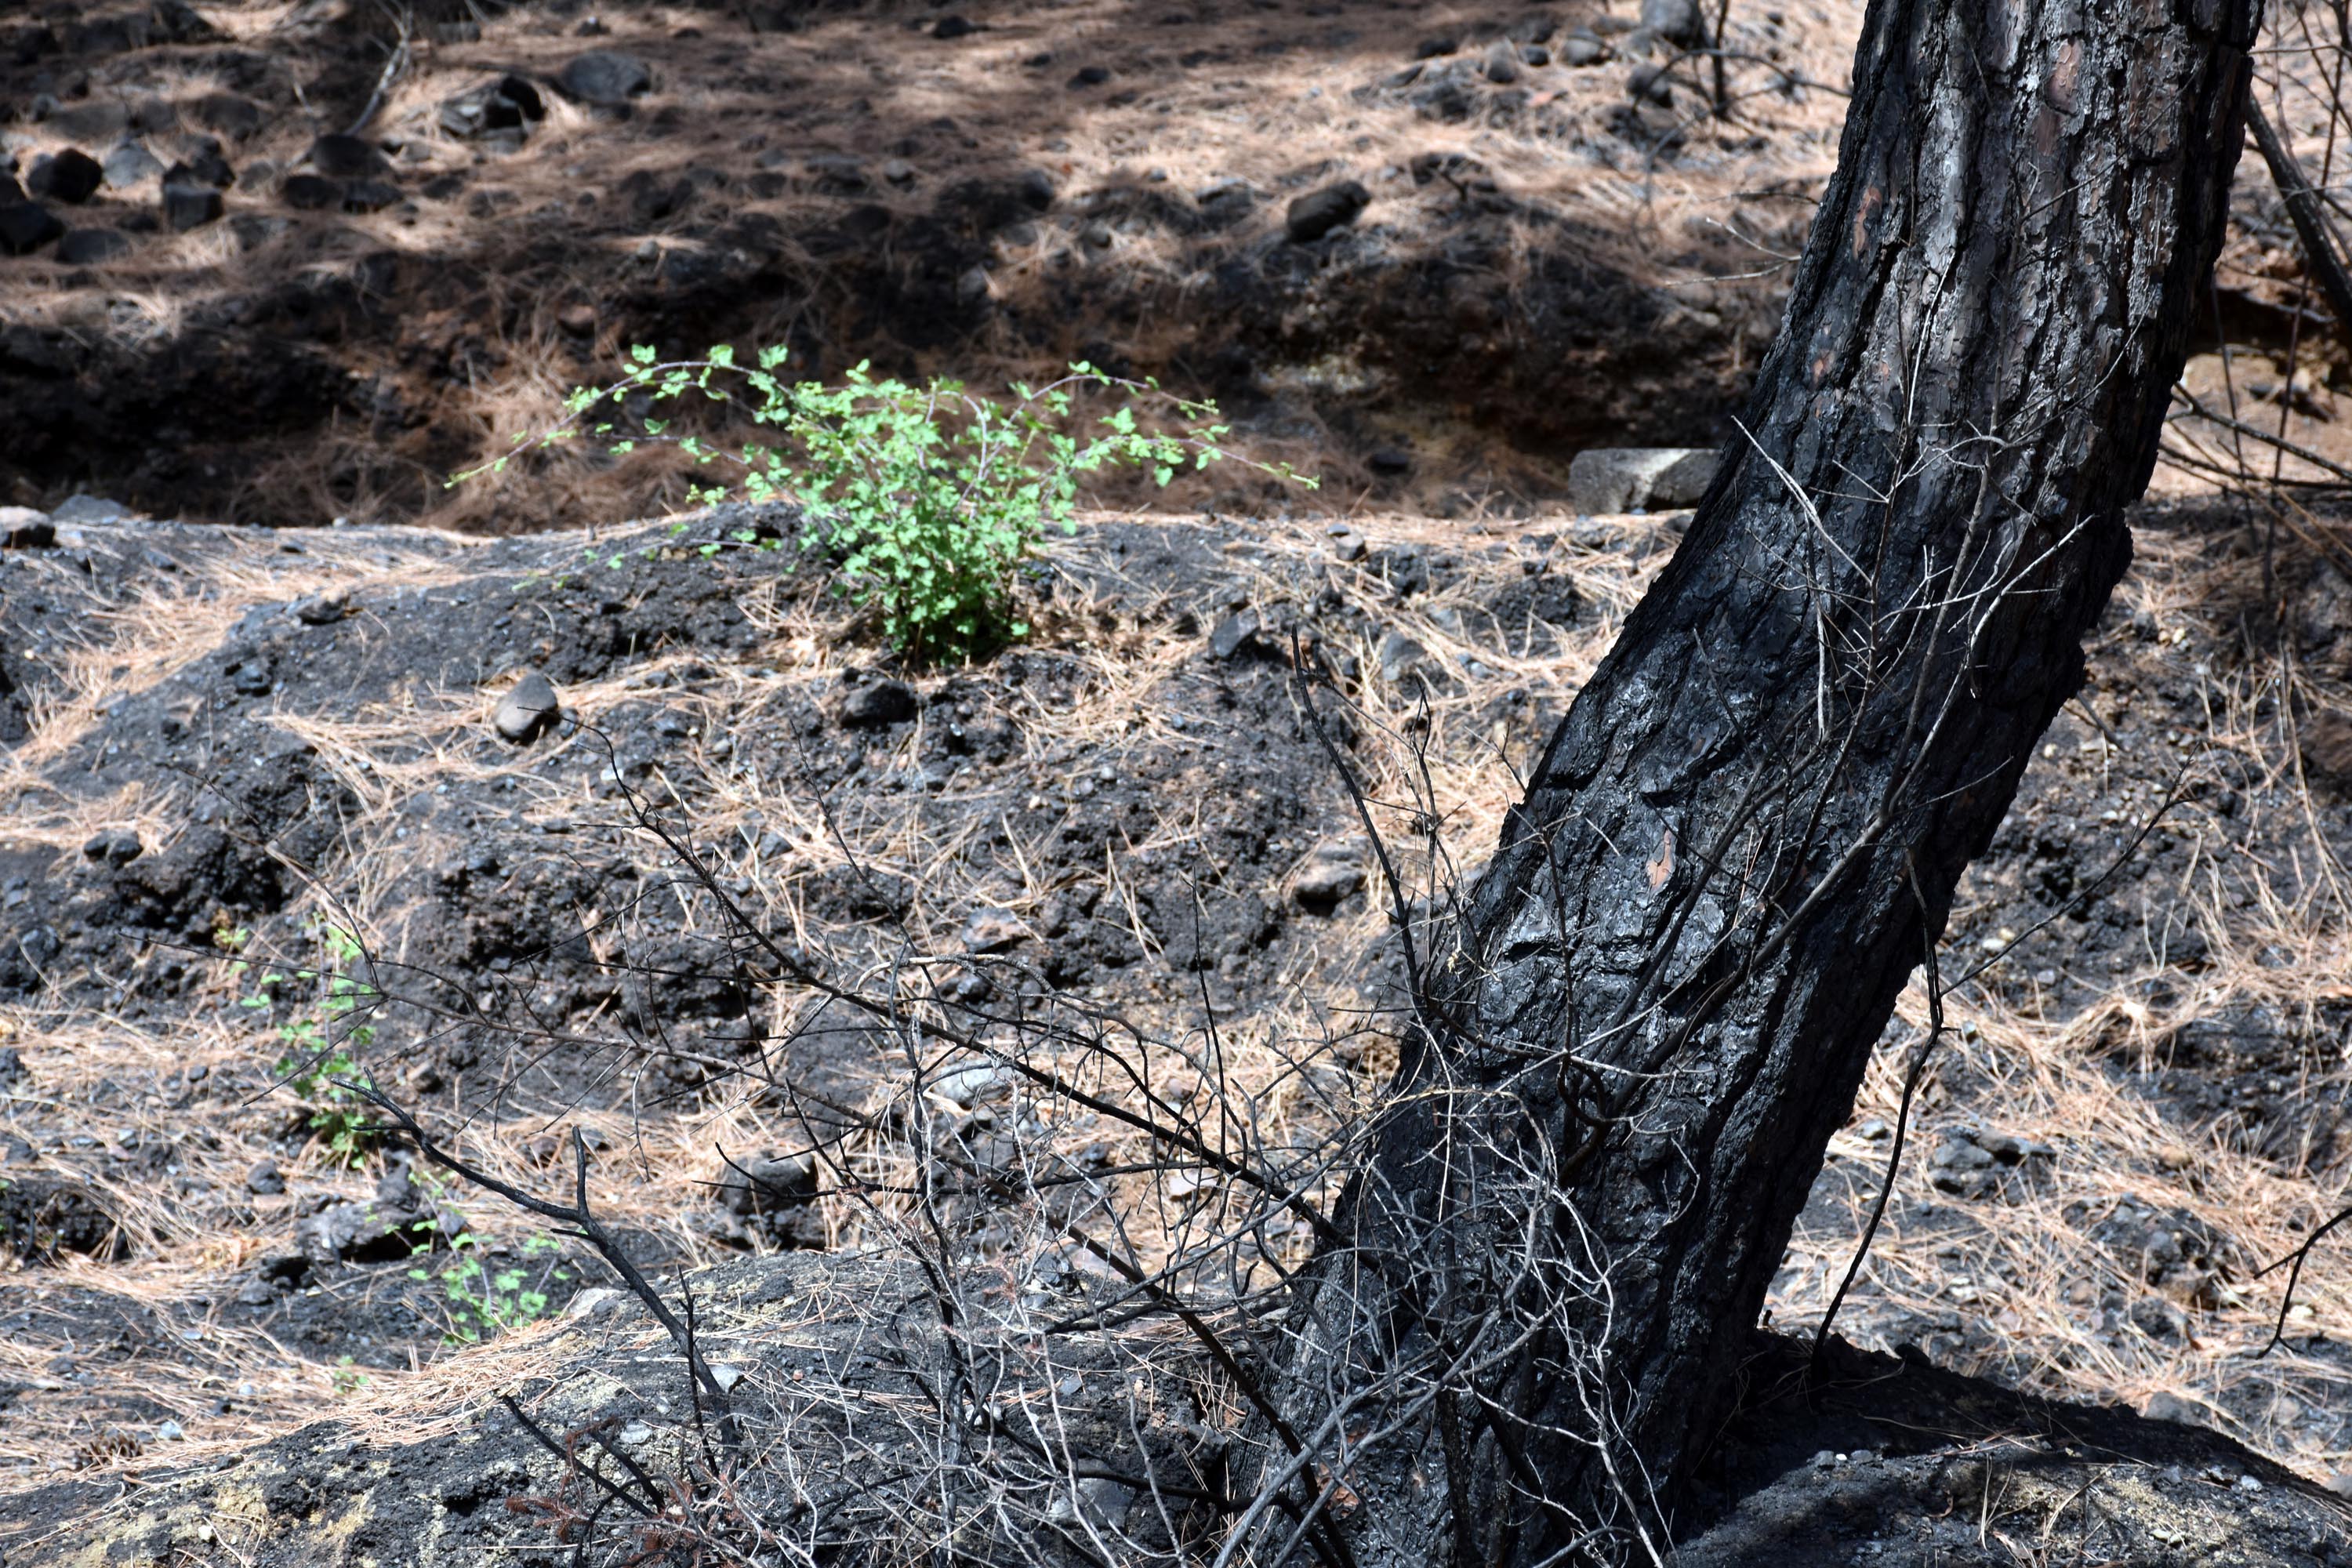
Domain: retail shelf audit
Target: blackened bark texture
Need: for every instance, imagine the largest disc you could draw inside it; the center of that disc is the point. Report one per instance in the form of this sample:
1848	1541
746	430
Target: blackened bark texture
1665	989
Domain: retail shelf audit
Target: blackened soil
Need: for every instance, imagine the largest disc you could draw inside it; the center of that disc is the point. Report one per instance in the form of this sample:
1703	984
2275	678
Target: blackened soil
1045	187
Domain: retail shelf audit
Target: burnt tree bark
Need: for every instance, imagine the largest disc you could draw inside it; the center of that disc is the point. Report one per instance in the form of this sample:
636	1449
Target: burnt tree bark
1659	1000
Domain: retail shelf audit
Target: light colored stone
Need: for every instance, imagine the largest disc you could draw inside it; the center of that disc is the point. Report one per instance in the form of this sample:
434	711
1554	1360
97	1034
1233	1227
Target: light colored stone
967	1086
1629	479
528	707
591	1301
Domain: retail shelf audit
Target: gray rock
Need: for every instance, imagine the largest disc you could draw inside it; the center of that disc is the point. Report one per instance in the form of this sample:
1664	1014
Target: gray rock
26	227
528	709
2166	1405
384	1229
967	1087
993	930
71	176
1317	213
87	507
876	704
88	246
594	1302
265	1180
2010	1150
1624	479
1501	63
130	166
1676	21
1234	636
1334	870
92	120
190	207
606	77
22	527
1582	49
771	1181
323	608
1399	657
1650	83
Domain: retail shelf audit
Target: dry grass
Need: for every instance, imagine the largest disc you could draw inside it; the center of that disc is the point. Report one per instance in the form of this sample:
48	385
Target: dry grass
2064	1076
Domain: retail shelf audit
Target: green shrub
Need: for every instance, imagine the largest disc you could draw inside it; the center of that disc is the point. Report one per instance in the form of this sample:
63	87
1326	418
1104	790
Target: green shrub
324	1041
927	498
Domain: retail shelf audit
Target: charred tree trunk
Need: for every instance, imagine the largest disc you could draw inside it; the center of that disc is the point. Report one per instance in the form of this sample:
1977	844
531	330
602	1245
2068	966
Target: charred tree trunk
1660	999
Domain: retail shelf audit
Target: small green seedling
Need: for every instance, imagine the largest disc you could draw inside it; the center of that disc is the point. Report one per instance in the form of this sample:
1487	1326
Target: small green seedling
324	1042
486	1302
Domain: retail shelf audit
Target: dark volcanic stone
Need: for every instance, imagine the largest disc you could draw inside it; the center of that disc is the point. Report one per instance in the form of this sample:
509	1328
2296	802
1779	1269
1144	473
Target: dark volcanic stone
605	76
88	246
116	847
205	167
313	192
190	207
954	28
26	227
348	158
1676	21
42	1217
879	704
1317	213
370	195
72	176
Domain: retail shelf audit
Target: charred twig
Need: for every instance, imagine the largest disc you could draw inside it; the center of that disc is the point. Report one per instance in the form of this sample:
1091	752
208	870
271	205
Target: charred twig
582	1222
2312	229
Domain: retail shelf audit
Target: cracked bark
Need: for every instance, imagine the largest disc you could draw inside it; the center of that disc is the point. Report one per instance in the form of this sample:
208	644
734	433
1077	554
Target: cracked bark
1666	987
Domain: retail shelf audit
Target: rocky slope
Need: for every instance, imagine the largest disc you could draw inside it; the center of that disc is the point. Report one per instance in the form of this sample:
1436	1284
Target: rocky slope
231	745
